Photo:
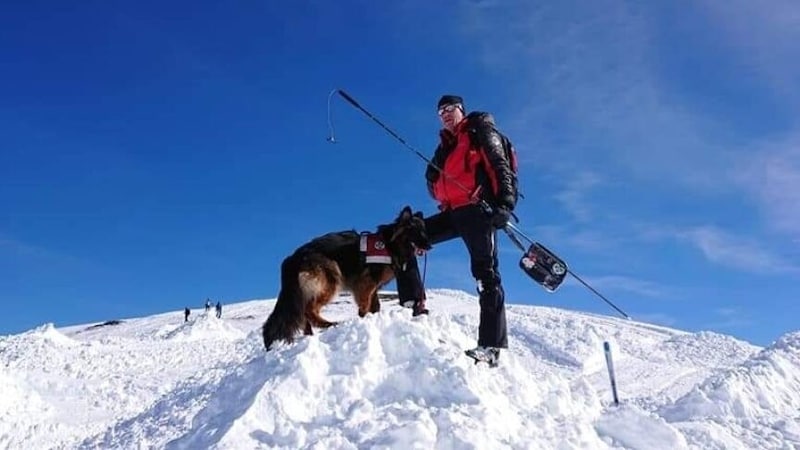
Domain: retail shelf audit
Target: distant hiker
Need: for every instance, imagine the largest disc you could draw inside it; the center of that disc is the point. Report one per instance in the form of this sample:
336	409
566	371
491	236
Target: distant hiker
208	305
219	310
476	194
186	312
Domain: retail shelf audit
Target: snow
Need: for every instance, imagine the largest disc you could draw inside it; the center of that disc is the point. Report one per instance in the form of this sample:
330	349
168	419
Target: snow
393	381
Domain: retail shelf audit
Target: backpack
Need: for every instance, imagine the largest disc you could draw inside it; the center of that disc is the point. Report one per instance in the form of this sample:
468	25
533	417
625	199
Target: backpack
483	119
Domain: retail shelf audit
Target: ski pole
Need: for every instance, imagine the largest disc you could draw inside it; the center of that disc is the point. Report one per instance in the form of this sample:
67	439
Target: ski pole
598	294
510	228
514	238
353	102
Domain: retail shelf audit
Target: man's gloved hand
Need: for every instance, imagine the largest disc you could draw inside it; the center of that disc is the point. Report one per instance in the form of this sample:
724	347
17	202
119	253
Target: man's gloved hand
500	216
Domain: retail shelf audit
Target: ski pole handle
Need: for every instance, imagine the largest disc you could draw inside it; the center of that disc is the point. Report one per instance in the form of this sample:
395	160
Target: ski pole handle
349	99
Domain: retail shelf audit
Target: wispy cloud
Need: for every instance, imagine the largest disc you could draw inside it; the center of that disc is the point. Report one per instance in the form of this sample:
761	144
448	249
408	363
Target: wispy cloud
719	246
730	318
772	177
18	251
561	239
635	286
736	252
574	195
589	77
767	37
767	41
592	68
18	248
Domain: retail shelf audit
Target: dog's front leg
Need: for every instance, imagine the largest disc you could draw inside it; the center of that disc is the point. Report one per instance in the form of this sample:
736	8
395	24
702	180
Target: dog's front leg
362	294
375	303
363	302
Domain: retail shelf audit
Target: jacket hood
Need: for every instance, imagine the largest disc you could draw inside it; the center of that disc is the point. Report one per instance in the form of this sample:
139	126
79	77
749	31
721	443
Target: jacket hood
477	117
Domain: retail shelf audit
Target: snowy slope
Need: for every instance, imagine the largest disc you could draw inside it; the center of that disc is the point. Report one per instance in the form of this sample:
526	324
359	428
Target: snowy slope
393	381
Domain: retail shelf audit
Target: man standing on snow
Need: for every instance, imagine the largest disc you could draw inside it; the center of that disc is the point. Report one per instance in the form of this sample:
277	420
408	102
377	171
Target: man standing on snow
476	195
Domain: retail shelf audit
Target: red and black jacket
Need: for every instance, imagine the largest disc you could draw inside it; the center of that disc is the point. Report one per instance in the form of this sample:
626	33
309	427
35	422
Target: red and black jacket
473	160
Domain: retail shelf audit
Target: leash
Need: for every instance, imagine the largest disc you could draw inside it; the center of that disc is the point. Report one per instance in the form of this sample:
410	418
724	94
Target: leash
424	268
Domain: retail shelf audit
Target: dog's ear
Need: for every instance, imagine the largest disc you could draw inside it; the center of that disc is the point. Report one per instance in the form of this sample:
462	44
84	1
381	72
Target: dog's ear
418	215
405	214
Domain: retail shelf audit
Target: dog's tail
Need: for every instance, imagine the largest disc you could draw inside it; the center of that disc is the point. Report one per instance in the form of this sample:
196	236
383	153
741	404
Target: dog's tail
303	279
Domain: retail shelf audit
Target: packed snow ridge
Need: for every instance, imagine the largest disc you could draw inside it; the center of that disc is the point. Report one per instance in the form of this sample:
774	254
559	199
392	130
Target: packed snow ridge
393	381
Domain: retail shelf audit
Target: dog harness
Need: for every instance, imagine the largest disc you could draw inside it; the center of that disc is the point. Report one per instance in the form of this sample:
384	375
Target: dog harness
374	249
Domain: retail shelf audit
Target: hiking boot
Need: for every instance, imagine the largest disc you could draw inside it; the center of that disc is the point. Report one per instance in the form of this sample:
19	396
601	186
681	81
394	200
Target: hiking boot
416	306
489	355
419	309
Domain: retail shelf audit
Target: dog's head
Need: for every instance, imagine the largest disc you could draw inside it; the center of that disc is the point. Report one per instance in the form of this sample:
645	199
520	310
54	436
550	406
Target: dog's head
408	235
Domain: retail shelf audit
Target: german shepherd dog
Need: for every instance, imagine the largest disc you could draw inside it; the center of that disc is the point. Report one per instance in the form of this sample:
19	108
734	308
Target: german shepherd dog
317	270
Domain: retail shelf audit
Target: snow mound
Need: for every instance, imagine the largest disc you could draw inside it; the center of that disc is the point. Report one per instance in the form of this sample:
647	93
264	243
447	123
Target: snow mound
768	383
43	344
693	348
21	411
760	396
631	427
336	389
18	400
392	381
203	328
49	334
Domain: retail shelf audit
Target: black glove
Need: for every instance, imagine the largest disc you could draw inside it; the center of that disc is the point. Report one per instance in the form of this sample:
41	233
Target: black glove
500	216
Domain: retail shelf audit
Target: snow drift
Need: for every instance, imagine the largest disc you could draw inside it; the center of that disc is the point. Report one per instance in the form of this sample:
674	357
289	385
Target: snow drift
393	381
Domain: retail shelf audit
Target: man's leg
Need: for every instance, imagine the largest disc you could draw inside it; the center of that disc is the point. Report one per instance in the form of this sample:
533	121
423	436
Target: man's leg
410	287
480	238
409	284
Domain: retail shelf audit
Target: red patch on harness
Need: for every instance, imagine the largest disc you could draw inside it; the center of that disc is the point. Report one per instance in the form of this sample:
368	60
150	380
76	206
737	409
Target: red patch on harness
375	249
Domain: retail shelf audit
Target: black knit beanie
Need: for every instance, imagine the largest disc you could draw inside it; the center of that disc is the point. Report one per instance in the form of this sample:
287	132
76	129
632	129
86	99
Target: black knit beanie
450	100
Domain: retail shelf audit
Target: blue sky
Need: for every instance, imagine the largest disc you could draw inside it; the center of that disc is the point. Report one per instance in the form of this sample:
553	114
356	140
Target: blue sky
157	154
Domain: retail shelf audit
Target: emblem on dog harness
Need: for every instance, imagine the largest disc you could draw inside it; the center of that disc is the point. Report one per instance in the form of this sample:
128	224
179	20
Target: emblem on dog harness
374	249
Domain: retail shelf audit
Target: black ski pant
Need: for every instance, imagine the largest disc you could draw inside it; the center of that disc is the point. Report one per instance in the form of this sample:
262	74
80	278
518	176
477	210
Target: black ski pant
480	237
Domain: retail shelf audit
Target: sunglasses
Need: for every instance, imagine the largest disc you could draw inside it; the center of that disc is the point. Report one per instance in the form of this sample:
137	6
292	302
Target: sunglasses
449	108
